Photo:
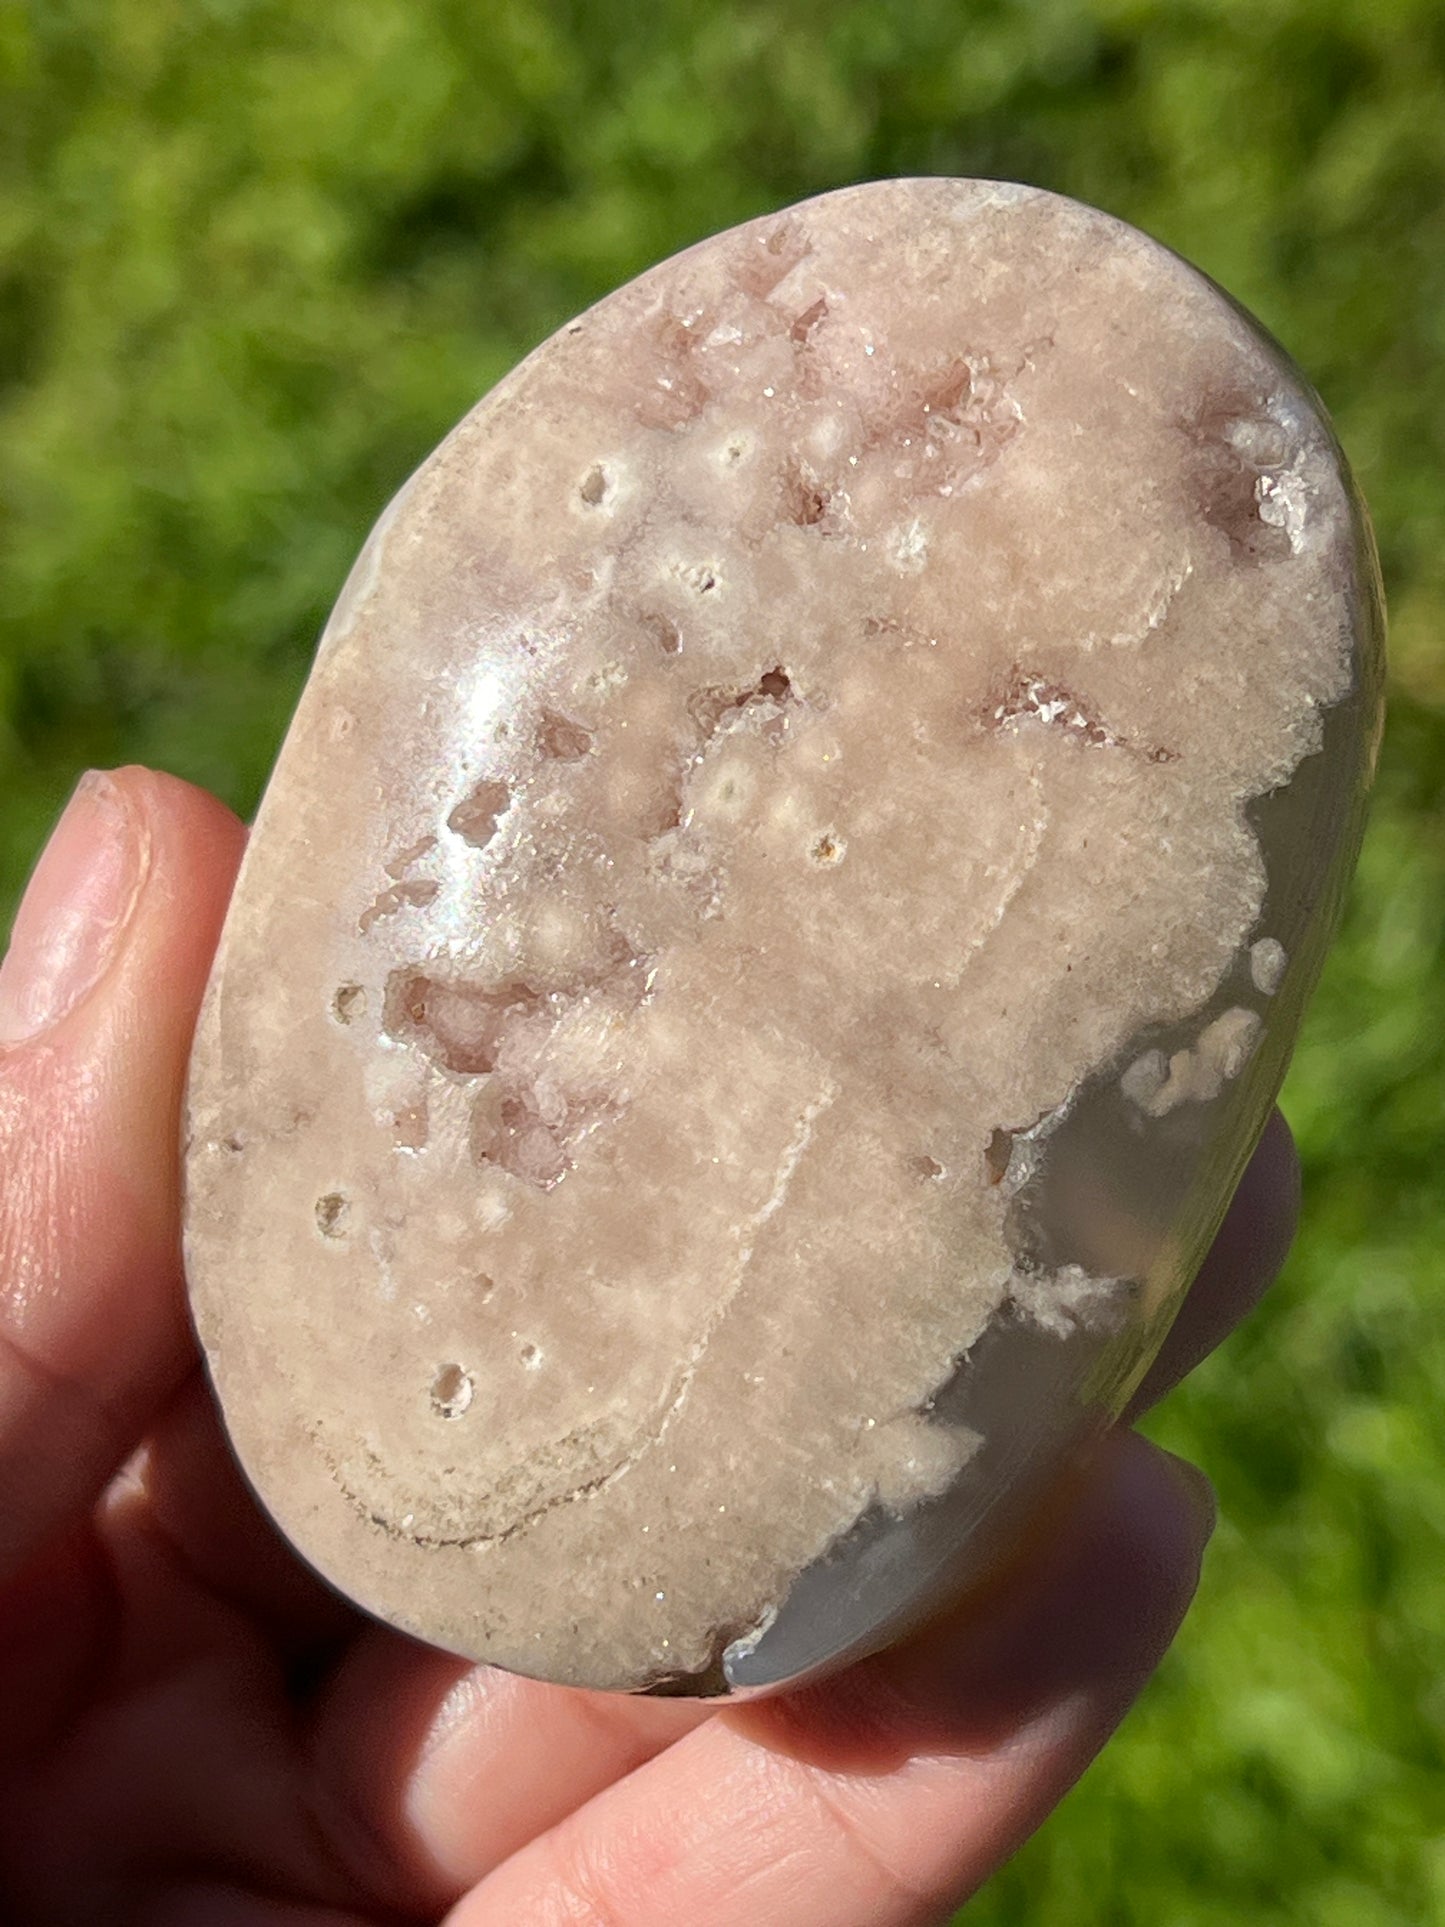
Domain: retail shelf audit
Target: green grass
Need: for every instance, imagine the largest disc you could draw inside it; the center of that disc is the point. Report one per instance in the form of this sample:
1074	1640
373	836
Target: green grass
256	256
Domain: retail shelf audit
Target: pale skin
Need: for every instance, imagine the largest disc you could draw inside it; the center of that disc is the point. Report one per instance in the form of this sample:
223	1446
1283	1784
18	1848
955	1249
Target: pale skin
195	1732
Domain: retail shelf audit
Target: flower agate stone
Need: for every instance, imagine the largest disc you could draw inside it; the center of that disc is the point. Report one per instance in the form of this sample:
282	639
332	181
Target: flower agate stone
776	926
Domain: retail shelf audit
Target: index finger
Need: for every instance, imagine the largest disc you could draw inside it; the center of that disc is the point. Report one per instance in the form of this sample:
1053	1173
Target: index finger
98	999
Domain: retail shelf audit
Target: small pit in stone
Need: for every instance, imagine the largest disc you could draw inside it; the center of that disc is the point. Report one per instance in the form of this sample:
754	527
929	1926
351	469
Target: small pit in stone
595	486
560	739
411	893
413	853
349	1004
713	707
997	1154
1031	698
961	413
661	631
828	850
510	1134
1238	448
675	392
332	1214
531	1357
461	1024
808	320
476	817
451	1392
805	500
509	1131
927	1169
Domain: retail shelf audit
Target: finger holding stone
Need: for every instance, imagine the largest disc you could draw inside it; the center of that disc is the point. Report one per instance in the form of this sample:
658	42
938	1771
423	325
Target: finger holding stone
194	1494
98	999
454	1768
903	1783
1242	1263
420	1740
450	1767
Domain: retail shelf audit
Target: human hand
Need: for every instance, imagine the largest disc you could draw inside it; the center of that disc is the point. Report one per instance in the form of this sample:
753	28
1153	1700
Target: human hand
195	1732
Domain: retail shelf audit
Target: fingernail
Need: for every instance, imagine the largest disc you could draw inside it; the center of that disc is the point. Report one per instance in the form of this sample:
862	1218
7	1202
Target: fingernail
73	912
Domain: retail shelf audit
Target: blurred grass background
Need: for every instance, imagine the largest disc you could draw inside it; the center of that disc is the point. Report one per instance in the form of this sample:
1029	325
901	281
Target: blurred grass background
256	257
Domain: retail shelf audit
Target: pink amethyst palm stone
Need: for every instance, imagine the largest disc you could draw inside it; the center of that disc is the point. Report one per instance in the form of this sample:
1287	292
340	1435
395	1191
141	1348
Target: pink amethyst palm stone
776	926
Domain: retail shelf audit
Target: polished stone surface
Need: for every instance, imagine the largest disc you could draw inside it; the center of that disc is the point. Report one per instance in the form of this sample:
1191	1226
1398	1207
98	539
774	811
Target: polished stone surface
778	920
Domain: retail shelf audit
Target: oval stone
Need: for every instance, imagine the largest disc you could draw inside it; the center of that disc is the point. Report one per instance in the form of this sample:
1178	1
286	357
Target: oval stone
776	926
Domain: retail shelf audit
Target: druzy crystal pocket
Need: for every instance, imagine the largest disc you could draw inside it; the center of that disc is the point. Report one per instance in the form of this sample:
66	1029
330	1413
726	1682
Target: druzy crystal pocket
775	927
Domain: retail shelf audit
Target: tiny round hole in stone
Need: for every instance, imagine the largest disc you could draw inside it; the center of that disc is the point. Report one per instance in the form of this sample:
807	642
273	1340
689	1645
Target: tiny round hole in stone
332	1212
451	1392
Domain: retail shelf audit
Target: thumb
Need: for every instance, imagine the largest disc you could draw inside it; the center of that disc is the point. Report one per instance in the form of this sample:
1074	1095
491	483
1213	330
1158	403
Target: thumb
98	998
